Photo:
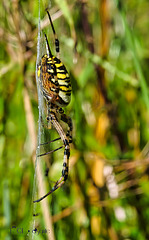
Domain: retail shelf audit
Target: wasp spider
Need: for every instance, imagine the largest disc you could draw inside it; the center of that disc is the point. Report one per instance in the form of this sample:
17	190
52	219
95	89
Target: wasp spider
56	88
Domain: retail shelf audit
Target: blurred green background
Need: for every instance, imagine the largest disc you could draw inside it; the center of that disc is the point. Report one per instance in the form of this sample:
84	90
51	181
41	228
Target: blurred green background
104	45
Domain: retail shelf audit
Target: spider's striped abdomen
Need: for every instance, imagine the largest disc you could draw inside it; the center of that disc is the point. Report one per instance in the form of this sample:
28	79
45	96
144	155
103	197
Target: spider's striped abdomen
54	80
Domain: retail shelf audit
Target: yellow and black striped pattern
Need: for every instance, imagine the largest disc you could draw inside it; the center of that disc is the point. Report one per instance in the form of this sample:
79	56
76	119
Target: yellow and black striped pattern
54	81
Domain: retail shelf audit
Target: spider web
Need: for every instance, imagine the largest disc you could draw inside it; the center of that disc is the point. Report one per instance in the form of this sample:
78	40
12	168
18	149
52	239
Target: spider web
38	182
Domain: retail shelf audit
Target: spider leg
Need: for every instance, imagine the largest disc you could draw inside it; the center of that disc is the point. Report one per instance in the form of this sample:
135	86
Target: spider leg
68	120
49	53
43	154
57	48
64	138
56	139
